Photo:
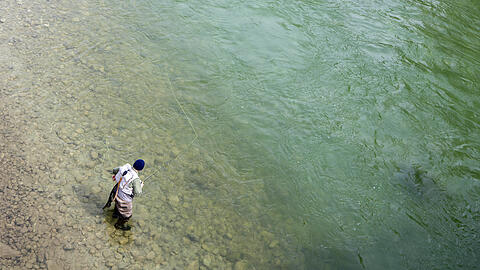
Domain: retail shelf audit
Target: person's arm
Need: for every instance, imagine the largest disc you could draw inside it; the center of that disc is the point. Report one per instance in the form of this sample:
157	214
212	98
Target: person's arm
137	186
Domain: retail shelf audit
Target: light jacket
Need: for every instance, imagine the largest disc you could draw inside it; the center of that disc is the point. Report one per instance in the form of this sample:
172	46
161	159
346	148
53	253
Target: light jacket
125	176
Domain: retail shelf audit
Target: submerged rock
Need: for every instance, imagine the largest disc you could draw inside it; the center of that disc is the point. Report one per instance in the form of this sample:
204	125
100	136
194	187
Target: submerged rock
94	155
207	260
8	252
193	265
54	265
273	244
150	255
240	265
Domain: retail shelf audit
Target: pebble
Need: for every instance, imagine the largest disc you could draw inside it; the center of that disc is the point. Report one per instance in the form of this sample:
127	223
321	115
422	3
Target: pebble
68	246
93	155
193	265
96	189
151	255
273	244
8	252
53	265
2	20
173	199
228	236
192	237
206	247
240	265
207	260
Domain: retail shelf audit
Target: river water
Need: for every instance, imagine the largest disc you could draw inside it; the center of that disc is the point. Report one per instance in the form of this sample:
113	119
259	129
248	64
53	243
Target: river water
278	135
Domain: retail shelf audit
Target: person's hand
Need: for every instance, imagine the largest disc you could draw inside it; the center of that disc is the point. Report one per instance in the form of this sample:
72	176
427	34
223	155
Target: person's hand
141	184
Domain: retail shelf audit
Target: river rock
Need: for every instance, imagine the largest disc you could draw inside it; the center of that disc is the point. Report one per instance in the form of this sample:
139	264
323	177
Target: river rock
173	199
53	265
193	265
150	255
93	155
228	236
273	244
8	252
207	260
68	246
206	247
96	189
240	265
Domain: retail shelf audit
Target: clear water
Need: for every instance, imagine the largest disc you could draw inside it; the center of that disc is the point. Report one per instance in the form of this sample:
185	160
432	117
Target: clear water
287	134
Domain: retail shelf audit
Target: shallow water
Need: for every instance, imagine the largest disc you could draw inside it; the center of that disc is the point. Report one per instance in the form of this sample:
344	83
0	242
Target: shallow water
306	135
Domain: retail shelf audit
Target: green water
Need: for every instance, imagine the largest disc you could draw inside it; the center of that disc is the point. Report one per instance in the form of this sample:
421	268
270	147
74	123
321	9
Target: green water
358	117
287	134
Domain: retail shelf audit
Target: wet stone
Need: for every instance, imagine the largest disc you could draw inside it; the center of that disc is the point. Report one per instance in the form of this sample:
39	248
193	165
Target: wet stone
52	264
122	265
240	265
207	247
173	199
94	155
273	244
193	265
68	246
8	252
96	189
207	260
151	255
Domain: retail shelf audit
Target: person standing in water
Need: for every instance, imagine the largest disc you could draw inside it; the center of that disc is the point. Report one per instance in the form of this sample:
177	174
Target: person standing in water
128	185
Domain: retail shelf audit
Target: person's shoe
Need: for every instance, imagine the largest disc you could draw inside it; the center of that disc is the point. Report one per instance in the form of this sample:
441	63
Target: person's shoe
123	228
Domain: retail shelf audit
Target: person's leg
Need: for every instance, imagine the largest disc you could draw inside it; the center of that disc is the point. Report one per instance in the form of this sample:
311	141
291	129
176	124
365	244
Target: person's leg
121	223
116	214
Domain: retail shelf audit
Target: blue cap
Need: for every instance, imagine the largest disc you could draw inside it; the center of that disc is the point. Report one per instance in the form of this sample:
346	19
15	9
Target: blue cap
139	164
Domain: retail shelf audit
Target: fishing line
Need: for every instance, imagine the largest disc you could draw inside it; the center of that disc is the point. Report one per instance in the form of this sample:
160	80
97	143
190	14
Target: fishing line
165	164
